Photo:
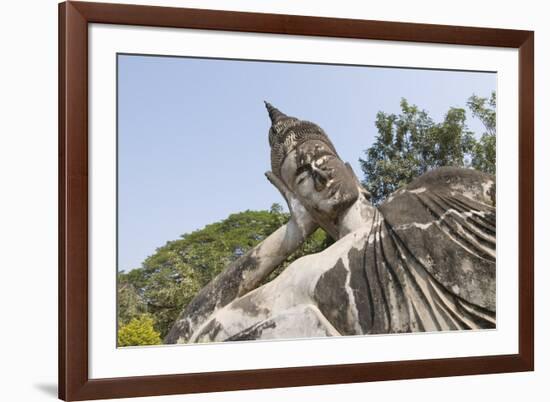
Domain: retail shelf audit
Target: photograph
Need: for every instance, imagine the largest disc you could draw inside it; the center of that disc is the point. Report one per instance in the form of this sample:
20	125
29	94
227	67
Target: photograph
273	200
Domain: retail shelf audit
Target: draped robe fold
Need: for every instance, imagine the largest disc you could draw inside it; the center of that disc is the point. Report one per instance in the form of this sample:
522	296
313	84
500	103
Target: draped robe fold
429	260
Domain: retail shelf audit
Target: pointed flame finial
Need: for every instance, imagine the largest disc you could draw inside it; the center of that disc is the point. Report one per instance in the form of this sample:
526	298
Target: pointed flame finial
274	114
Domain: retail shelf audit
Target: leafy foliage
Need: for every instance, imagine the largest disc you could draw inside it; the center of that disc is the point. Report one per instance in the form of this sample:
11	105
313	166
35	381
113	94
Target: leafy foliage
484	152
130	303
411	143
139	331
169	279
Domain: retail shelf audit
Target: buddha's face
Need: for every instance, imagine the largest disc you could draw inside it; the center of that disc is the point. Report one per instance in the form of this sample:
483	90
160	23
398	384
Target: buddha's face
320	179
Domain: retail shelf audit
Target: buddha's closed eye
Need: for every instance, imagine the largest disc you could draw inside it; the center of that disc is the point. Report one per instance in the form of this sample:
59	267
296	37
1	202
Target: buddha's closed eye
304	168
302	178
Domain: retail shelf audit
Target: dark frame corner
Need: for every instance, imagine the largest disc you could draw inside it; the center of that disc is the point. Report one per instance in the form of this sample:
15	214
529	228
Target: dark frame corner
74	382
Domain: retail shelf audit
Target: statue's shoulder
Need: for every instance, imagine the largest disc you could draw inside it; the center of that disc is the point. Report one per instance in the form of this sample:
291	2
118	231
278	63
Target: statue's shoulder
473	184
438	191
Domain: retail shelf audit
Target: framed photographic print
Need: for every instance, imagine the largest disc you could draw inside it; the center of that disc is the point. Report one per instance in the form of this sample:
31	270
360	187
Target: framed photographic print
260	200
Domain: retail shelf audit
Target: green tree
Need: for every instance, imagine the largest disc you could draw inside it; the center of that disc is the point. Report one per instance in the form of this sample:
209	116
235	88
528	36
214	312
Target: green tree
484	151
139	331
170	278
411	143
130	302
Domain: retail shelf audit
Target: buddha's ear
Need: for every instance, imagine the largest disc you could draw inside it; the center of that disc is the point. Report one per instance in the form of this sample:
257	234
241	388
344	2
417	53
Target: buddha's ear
365	192
360	186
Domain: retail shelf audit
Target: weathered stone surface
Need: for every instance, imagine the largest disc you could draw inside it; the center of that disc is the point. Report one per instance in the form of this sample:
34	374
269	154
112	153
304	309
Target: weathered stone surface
422	261
333	299
445	223
434	247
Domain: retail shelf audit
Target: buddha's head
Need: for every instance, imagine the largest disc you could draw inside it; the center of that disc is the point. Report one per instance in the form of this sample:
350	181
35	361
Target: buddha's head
303	157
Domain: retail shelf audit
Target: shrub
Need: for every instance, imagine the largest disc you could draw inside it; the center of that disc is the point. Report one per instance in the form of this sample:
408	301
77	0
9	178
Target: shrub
139	331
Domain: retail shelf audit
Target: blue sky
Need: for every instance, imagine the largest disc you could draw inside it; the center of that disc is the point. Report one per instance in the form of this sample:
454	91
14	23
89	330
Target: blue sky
192	133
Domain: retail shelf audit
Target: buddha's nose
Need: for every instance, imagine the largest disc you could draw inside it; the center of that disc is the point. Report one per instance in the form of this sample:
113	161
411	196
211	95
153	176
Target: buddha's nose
320	178
321	172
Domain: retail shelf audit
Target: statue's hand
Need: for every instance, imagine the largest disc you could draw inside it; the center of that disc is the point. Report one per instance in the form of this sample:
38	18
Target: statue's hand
298	212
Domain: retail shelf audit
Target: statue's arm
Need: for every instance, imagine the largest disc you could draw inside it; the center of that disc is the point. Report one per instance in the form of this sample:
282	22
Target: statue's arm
247	272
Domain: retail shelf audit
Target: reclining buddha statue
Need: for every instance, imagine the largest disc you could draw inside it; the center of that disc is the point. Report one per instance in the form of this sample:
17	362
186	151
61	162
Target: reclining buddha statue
423	260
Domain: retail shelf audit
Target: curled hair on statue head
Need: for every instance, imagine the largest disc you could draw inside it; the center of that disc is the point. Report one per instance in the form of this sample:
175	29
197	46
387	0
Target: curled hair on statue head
287	133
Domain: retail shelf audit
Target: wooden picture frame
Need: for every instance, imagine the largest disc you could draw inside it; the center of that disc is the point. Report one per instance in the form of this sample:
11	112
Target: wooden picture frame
74	381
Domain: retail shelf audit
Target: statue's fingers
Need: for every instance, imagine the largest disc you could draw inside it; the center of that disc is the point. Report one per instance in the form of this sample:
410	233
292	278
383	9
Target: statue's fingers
277	183
271	177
